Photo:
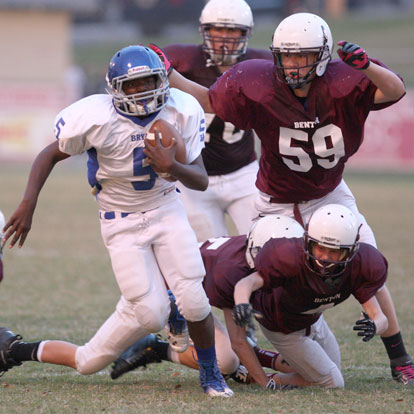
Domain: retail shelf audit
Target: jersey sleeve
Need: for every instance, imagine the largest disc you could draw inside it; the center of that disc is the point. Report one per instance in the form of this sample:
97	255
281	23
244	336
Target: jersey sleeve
372	273
228	99
79	125
266	266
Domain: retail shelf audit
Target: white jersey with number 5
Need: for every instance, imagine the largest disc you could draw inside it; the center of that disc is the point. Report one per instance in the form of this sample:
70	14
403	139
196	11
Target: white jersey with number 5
117	164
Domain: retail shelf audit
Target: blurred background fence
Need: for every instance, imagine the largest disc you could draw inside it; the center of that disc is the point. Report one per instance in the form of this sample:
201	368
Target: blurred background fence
55	52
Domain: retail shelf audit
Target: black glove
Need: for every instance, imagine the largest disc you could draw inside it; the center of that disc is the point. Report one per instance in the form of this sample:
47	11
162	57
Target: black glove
163	57
243	314
366	327
353	55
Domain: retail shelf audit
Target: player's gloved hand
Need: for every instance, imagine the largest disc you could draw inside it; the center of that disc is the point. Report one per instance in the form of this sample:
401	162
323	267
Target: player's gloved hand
243	314
163	57
366	328
353	55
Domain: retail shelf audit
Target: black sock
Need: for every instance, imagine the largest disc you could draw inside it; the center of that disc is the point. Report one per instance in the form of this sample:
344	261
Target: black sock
161	348
395	346
24	351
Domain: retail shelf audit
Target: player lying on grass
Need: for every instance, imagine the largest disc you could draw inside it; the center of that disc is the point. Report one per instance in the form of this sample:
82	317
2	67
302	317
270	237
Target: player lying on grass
297	280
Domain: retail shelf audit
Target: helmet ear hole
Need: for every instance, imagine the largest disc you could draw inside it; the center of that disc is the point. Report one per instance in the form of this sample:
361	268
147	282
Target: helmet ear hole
266	228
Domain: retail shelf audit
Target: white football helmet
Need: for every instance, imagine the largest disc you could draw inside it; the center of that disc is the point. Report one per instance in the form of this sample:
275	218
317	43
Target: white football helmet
268	227
302	33
336	227
234	14
2	224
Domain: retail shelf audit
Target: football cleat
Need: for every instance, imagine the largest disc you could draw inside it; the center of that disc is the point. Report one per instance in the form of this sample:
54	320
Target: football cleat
241	375
140	354
404	373
211	380
176	328
7	339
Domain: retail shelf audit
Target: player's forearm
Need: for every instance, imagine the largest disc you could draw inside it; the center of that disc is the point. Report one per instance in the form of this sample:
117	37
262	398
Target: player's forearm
41	168
389	84
198	91
191	175
243	350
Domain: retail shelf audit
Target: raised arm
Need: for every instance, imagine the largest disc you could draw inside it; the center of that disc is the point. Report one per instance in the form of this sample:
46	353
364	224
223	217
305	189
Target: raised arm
20	221
390	86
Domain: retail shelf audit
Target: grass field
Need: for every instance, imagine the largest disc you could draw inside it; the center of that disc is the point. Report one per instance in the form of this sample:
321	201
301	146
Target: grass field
60	286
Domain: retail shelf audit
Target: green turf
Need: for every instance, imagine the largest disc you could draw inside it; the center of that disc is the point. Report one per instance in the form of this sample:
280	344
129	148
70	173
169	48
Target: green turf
60	286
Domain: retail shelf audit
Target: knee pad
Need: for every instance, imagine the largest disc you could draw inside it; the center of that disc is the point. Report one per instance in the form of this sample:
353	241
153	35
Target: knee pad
88	362
152	316
192	300
333	380
228	362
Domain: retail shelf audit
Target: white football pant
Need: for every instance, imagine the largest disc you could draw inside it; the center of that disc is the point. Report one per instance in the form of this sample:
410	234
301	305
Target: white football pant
233	194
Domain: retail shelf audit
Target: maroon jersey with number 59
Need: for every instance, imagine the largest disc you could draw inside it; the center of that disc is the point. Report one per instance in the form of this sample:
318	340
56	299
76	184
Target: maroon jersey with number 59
227	148
305	145
293	297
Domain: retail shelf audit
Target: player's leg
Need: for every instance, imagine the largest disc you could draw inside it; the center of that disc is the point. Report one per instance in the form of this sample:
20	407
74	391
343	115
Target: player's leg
152	349
204	210
240	194
310	361
227	360
129	242
180	262
117	333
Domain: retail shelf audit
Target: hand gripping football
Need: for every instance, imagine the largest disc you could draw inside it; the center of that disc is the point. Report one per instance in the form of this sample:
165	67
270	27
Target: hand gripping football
167	133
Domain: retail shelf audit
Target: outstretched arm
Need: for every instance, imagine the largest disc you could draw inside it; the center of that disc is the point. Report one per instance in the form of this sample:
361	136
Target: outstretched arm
390	86
20	221
198	91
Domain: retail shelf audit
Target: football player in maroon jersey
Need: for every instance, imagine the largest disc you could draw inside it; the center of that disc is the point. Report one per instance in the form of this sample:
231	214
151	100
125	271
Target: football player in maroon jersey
229	155
305	278
309	113
226	260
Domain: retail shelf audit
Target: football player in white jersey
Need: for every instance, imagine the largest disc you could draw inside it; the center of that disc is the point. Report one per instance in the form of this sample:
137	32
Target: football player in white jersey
143	222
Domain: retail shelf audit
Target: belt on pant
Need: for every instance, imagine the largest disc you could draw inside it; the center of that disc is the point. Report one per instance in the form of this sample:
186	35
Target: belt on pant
296	212
110	215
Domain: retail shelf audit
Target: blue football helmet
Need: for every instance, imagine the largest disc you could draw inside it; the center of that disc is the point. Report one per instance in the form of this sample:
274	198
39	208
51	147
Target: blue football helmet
134	62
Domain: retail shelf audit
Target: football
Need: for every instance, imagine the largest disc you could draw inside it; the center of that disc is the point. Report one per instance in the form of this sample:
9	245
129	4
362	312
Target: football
168	132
